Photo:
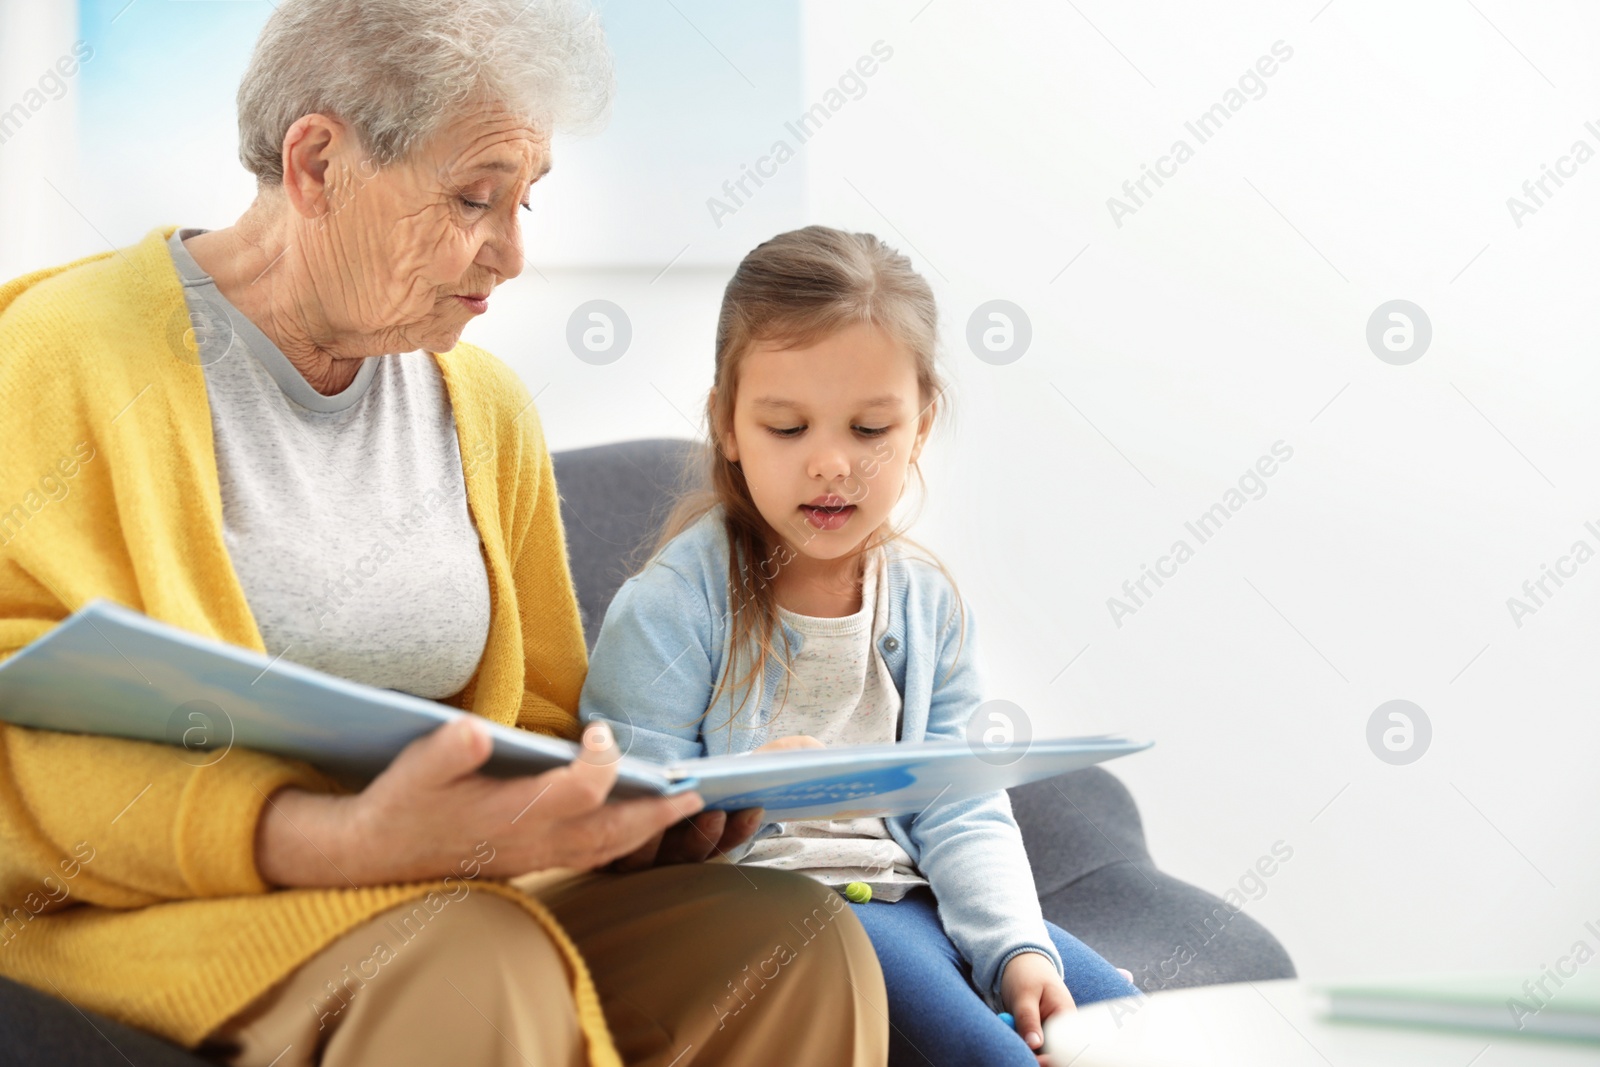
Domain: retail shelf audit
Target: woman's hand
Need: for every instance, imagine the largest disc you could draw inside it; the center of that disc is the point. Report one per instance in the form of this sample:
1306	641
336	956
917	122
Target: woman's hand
694	840
711	833
1032	991
429	814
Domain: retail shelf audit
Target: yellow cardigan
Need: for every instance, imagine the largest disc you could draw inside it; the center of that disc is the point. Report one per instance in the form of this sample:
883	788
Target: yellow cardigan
108	488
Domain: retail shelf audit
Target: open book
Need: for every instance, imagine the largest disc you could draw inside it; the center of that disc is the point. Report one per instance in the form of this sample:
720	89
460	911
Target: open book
111	670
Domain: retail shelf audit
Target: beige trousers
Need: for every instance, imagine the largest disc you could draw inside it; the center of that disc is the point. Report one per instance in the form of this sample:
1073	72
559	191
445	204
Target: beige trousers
704	964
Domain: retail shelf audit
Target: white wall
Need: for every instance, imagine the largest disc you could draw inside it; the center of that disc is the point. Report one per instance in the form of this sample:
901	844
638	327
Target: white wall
37	129
1228	313
1221	317
1186	343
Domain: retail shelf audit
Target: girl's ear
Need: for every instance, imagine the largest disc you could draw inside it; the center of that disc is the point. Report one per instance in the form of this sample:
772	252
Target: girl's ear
724	438
924	427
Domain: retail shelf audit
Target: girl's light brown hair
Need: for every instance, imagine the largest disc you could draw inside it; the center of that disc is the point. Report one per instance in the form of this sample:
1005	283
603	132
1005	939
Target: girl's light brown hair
793	291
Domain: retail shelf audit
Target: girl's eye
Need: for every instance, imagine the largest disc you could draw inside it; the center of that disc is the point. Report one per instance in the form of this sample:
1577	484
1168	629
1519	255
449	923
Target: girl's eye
795	431
527	206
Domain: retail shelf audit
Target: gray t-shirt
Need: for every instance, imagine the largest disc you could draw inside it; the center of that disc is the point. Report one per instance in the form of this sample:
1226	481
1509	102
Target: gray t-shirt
345	516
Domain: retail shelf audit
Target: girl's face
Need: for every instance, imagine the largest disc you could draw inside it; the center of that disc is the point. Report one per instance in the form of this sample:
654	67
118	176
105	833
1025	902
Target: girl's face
824	435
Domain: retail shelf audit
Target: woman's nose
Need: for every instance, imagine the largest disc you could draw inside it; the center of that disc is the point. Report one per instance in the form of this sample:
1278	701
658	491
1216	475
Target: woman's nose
502	252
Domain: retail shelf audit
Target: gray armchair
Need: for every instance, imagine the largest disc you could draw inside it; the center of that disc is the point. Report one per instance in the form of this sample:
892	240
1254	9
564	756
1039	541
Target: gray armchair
1095	876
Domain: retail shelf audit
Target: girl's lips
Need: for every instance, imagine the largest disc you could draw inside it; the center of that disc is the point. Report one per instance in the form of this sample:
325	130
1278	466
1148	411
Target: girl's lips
828	518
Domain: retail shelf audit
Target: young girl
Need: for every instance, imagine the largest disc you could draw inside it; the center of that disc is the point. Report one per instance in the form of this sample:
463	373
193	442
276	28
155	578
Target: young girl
782	609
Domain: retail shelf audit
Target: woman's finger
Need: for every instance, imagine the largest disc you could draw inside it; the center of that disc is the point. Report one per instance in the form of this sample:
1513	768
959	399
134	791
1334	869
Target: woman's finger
692	840
619	828
642	857
437	758
740	825
582	785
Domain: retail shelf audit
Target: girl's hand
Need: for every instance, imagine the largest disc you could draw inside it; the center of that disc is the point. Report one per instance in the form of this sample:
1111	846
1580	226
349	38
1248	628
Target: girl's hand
1032	992
778	744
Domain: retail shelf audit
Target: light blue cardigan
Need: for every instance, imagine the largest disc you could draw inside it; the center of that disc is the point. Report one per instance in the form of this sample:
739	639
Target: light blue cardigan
662	650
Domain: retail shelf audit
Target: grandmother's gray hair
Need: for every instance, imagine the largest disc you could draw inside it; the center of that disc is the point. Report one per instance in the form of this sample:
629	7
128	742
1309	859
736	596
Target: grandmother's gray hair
398	71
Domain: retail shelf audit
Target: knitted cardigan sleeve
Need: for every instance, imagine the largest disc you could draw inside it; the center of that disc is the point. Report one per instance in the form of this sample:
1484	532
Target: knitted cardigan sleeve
157	826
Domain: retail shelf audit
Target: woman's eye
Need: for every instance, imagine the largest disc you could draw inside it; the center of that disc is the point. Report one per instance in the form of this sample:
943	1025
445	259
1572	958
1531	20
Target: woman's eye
871	431
788	431
474	205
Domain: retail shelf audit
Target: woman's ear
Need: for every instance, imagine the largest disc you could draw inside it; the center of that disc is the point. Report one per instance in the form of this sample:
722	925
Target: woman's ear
310	146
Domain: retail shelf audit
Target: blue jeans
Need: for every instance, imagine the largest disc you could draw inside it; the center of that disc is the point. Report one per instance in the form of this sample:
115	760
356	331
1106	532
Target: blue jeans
935	1016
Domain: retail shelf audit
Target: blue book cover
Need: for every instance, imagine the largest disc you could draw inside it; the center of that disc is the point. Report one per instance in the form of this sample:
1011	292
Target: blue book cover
110	670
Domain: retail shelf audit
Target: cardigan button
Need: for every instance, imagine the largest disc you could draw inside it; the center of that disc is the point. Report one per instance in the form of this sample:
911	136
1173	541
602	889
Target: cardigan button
890	644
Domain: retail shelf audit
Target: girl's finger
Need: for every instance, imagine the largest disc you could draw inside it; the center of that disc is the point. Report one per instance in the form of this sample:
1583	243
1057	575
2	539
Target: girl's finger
1056	997
1026	1011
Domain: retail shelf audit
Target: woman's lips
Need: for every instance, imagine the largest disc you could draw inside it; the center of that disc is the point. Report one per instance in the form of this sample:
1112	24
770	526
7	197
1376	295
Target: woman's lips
477	307
828	518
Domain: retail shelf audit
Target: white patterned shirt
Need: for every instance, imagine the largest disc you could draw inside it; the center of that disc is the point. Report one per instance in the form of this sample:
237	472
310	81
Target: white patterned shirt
841	694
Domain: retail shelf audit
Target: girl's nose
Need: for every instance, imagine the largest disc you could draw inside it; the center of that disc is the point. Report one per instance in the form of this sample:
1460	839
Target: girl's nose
829	464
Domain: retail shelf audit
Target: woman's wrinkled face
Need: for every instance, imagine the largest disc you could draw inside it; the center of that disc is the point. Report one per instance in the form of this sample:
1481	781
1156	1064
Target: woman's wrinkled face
404	256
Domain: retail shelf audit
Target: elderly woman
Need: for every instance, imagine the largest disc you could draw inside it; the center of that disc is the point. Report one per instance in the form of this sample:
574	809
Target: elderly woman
319	471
